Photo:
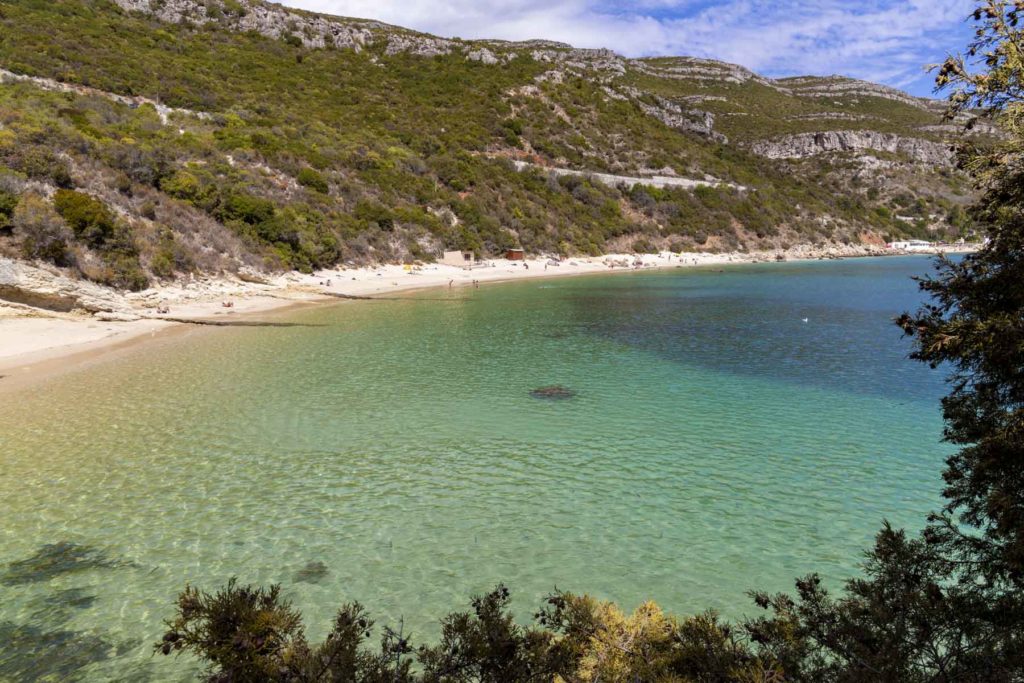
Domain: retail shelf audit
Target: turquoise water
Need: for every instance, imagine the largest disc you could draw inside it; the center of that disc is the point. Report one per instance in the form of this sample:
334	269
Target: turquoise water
717	443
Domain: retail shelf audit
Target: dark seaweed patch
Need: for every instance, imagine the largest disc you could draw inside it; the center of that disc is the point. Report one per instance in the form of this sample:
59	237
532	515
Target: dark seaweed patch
31	653
555	392
235	323
58	607
56	559
313	572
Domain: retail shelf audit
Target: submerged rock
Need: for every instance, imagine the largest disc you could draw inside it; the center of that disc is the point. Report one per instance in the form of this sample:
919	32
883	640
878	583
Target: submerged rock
313	572
555	392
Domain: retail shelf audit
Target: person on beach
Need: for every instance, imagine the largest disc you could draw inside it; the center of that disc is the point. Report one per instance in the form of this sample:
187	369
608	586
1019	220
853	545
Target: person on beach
450	283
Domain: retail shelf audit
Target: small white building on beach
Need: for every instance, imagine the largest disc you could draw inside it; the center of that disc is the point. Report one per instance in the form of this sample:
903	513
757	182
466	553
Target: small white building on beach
912	245
464	259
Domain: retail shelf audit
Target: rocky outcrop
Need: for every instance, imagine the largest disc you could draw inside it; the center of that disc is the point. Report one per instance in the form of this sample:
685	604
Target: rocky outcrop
22	283
840	86
672	114
830	116
162	110
813	144
421	46
483	55
658	181
604	62
689	120
694	68
275	21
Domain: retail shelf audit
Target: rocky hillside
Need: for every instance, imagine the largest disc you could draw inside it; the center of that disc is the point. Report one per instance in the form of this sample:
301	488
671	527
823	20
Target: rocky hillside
147	139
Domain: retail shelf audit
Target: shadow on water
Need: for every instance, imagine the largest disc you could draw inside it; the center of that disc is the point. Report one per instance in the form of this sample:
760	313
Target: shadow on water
828	326
45	648
555	392
313	572
57	559
236	323
36	653
385	297
60	606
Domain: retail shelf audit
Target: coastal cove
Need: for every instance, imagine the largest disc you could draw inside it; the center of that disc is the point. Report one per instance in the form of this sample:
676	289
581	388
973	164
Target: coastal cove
729	430
36	343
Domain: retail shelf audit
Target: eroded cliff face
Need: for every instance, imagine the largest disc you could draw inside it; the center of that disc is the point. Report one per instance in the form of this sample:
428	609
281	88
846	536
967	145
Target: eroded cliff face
29	285
806	145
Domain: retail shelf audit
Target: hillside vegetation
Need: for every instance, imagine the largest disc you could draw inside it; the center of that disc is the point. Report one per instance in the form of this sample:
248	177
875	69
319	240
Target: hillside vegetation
158	138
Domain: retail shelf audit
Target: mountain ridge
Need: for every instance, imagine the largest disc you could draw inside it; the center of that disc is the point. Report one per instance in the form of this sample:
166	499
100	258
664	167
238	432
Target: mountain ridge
228	134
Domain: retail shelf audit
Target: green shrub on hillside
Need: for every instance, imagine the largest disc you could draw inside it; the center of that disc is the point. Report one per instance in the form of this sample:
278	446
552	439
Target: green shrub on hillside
644	246
93	224
88	218
247	208
41	231
182	185
41	163
8	200
308	177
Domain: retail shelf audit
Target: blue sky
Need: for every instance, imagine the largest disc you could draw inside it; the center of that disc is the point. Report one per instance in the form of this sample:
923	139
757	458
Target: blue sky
888	41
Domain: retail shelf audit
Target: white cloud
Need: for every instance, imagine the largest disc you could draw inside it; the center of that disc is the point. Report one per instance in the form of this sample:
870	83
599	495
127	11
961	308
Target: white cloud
882	40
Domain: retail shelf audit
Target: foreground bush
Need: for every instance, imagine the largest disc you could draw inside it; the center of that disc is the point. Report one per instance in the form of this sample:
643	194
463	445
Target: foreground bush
247	633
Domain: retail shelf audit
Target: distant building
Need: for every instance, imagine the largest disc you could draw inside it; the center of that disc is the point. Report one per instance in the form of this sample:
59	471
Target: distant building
515	255
912	245
458	258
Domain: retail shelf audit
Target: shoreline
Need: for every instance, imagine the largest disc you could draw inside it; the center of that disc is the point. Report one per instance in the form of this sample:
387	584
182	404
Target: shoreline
37	343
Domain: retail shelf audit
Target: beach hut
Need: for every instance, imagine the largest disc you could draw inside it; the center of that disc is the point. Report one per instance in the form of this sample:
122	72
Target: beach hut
515	255
458	258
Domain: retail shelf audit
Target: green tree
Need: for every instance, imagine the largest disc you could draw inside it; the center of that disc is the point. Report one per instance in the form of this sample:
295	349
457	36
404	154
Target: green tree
43	234
310	178
975	325
8	201
949	605
90	220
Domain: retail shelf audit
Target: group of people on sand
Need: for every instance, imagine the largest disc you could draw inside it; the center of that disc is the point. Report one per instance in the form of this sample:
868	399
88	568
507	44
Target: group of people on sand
476	284
163	309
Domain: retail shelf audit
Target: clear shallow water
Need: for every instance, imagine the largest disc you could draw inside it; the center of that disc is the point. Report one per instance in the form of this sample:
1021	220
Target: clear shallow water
717	444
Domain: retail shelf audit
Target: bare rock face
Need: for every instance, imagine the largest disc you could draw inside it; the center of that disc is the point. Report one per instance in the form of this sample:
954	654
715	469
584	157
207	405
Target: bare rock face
690	120
697	69
421	46
806	145
275	21
162	110
841	86
483	55
671	113
21	283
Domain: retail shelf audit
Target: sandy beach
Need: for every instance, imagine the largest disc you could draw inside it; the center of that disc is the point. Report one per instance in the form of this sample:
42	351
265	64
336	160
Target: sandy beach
35	341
